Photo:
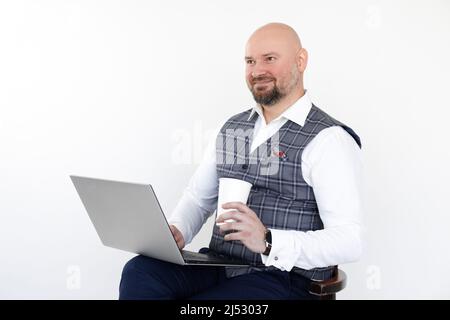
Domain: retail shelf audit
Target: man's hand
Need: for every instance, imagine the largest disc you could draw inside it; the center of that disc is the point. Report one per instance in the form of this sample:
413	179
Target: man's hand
178	236
249	229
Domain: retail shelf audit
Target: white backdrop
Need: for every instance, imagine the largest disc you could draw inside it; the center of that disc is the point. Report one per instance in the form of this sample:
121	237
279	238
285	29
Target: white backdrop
130	90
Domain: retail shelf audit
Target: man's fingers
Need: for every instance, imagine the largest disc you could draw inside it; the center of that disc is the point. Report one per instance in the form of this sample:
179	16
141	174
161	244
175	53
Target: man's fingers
236	205
234	236
233	226
233	215
174	230
177	236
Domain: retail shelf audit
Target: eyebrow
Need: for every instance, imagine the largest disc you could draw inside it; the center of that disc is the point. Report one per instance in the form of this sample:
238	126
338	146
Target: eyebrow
264	55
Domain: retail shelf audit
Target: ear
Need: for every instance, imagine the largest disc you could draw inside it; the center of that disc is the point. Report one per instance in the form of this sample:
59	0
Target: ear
302	59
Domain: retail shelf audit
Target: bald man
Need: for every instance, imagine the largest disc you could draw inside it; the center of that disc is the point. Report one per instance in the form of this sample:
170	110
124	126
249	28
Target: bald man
302	217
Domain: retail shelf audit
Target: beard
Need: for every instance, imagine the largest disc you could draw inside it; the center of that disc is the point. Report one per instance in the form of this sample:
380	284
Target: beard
267	97
281	87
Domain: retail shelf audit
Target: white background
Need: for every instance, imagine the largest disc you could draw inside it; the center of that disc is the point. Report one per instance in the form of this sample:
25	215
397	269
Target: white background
130	90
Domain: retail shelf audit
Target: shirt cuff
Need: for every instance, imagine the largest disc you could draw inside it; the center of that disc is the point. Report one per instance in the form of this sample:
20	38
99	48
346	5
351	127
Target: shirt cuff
283	253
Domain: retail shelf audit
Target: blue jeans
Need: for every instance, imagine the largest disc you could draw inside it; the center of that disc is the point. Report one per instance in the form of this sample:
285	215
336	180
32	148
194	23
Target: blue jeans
148	278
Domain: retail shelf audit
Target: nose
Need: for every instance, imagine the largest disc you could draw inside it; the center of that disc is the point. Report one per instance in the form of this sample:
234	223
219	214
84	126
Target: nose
258	73
258	70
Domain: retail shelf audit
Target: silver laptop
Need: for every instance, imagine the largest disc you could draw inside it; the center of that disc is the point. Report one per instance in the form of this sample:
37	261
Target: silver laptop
128	216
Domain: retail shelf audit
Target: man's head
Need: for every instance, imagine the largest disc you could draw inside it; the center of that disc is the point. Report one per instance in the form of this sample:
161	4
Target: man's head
275	62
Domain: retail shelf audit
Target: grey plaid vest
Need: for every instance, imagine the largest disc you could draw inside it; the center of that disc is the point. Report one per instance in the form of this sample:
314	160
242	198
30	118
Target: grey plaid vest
280	196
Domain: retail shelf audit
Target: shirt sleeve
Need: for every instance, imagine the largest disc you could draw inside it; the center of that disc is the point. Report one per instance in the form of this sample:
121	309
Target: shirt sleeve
332	166
199	199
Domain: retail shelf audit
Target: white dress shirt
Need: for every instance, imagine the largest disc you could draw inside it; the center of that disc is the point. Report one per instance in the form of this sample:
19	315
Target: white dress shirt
331	165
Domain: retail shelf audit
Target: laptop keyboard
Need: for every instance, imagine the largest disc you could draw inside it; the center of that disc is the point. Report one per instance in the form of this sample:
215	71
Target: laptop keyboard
195	257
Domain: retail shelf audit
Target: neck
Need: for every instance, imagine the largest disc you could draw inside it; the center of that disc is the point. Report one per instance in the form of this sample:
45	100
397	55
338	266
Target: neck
273	111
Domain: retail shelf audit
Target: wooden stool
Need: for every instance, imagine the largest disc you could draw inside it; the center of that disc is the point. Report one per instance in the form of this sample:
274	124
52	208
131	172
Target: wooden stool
326	290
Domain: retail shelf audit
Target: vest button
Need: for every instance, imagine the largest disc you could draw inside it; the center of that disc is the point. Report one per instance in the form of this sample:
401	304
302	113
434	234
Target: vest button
244	166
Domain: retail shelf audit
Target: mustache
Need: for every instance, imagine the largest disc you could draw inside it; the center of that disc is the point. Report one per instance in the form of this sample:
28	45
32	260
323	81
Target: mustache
262	78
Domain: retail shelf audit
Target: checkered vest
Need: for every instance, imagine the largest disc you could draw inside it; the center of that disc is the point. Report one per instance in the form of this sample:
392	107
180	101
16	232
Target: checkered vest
280	196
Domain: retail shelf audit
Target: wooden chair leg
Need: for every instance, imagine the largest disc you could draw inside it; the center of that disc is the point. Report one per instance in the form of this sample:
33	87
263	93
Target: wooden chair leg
326	290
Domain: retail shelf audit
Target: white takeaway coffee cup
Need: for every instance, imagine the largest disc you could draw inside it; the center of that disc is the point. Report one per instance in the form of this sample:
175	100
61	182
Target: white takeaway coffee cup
232	190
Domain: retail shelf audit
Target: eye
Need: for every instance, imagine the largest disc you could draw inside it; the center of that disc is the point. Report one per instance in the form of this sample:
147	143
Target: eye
271	59
250	61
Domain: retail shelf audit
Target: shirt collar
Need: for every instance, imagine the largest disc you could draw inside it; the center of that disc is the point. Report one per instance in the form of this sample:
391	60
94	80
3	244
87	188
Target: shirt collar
296	112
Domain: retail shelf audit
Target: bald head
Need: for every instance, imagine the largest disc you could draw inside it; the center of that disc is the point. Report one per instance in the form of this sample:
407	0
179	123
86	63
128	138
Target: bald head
275	62
275	33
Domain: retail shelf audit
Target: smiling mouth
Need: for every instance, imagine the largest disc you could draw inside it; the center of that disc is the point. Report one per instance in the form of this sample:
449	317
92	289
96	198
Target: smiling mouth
263	82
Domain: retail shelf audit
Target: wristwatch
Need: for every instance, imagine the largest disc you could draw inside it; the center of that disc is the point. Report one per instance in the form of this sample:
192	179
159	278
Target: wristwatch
268	240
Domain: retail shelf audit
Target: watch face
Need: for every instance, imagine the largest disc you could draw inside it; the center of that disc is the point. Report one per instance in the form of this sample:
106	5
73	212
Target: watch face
268	247
269	236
